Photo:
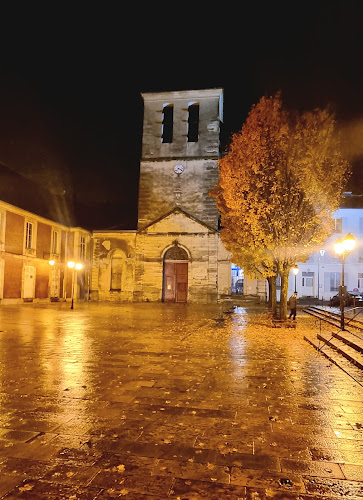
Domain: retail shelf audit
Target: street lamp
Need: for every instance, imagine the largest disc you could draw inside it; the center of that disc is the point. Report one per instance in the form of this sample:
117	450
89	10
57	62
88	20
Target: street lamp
342	248
75	266
295	270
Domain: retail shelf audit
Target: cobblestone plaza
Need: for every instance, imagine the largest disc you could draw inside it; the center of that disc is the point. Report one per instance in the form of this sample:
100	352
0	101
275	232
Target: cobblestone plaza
181	401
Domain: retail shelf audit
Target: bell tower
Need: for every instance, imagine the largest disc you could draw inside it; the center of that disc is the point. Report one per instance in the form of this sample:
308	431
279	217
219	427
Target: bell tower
180	152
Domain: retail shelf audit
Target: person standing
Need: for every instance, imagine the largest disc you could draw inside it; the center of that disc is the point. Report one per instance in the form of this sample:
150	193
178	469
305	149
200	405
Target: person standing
292	303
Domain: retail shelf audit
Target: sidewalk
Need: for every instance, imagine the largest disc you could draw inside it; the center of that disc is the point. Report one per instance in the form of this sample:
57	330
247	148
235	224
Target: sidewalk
157	401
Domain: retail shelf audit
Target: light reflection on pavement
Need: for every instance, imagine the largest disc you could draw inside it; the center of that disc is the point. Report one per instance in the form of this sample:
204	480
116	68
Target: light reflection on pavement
172	401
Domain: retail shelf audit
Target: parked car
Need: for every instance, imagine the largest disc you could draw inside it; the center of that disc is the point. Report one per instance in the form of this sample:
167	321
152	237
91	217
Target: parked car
351	299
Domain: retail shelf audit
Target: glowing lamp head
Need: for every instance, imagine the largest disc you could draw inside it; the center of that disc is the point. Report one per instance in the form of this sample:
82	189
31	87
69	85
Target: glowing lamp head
79	266
295	270
345	246
71	264
339	248
51	262
349	243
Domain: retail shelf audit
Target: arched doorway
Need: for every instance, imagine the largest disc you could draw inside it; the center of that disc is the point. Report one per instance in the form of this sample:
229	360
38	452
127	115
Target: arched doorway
175	283
116	270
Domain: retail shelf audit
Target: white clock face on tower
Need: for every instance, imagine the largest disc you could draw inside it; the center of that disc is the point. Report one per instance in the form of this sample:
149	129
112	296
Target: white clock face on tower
178	169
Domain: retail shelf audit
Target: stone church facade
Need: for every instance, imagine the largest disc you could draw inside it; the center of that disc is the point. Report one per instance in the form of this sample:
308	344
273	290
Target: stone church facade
176	254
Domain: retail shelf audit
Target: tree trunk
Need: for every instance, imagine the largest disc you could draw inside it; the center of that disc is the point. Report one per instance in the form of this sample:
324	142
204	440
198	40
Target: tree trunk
272	294
284	273
269	293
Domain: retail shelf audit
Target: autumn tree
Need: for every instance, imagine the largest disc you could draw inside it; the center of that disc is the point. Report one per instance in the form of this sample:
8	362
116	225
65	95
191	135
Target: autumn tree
280	183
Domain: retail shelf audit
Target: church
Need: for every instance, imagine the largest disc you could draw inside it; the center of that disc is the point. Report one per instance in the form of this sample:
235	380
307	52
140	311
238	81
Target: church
176	254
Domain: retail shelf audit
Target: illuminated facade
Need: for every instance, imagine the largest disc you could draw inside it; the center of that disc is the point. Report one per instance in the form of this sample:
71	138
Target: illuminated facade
27	243
175	254
320	276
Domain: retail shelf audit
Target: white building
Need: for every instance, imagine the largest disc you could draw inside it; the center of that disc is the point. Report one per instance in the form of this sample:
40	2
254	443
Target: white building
320	276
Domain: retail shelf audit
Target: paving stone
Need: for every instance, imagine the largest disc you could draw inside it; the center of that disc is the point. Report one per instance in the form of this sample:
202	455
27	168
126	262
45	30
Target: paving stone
193	470
264	479
81	456
38	489
312	468
186	488
353	472
137	482
338	487
75	474
34	469
249	461
9	482
338	456
128	495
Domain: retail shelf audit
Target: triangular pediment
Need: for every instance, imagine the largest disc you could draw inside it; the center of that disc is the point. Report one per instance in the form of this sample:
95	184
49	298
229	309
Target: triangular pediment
178	221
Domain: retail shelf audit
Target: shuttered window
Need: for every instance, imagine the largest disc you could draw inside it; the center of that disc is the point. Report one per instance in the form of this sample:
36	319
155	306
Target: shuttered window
29	235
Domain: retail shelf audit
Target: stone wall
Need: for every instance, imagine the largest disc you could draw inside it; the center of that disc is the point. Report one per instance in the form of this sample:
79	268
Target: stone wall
209	101
142	280
161	190
224	270
202	265
105	245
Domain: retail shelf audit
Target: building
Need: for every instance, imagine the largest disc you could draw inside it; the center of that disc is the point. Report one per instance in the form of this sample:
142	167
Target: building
176	254
28	242
320	276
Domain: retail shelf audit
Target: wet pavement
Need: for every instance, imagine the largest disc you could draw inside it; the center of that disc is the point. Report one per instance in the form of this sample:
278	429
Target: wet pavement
157	401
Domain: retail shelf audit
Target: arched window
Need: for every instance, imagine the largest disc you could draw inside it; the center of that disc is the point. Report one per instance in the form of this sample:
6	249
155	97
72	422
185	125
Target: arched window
193	122
167	129
116	272
176	253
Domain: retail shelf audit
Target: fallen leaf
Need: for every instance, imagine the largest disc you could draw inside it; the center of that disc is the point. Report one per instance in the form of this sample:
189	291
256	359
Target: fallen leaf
120	468
27	487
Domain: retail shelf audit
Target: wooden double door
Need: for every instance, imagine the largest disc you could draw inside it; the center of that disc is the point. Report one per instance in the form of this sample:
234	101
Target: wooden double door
175	281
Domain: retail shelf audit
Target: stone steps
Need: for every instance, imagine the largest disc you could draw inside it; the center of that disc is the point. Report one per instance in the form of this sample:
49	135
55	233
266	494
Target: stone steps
332	316
344	349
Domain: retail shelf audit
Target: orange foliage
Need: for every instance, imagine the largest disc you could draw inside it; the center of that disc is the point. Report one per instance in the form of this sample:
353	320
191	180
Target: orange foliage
280	183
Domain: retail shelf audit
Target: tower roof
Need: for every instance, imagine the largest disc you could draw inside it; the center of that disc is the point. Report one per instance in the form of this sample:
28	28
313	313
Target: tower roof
182	94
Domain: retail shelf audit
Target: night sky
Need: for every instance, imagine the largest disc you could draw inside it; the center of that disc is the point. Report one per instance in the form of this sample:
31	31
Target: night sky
70	82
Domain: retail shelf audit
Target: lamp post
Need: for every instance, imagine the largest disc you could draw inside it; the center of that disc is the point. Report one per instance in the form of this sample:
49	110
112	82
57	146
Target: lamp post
295	270
342	248
75	266
322	252
51	263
